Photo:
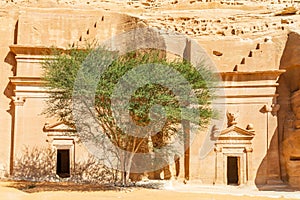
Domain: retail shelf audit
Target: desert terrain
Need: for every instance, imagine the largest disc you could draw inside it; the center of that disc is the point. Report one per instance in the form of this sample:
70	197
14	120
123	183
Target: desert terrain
176	191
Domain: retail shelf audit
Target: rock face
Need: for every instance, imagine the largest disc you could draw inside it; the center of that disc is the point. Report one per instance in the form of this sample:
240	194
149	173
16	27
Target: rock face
288	116
256	55
290	140
295	103
292	50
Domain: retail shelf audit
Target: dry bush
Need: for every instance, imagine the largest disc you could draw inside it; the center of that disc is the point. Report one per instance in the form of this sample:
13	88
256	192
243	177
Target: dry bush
39	164
35	164
92	170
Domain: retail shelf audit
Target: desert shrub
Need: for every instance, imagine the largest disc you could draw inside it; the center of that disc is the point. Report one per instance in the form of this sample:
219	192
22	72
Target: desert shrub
35	164
92	170
39	164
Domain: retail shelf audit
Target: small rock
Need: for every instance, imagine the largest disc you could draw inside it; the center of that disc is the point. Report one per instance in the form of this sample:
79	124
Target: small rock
287	11
220	33
217	53
284	21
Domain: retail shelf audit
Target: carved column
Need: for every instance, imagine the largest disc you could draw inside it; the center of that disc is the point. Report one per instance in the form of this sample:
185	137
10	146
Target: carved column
249	171
186	129
17	137
272	149
219	171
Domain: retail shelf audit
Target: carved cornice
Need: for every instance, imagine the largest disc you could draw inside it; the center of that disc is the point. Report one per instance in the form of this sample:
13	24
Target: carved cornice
31	50
236	133
26	81
249	84
58	127
260	75
36	50
31	87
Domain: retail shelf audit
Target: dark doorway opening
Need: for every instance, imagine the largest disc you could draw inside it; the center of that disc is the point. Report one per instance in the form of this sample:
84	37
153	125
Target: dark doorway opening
63	163
232	170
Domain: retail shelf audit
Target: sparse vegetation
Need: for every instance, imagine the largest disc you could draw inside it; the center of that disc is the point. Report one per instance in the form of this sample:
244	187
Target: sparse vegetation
61	72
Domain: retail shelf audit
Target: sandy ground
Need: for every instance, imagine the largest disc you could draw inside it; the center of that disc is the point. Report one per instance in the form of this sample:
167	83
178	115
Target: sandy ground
192	192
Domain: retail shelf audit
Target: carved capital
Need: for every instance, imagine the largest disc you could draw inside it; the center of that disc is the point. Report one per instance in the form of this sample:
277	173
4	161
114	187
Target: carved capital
248	149
76	140
270	108
18	101
218	149
49	139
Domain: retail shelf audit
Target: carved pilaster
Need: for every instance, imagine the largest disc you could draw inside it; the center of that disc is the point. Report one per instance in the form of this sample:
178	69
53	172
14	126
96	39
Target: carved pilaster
250	179
18	135
219	166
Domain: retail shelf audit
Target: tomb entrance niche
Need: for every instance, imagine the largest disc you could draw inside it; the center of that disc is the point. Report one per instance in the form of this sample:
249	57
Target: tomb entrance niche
63	163
233	163
62	139
233	151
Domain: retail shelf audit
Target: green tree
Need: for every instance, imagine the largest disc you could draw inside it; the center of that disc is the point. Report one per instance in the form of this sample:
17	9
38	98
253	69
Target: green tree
61	72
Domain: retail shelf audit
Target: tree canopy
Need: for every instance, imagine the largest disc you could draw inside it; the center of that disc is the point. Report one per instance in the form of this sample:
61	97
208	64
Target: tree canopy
61	70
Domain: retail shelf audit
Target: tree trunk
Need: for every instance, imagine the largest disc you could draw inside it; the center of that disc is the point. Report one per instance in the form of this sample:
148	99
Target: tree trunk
126	166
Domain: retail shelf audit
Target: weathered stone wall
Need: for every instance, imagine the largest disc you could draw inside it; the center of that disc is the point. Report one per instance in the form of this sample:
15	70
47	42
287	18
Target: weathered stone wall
28	33
8	20
246	47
